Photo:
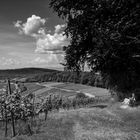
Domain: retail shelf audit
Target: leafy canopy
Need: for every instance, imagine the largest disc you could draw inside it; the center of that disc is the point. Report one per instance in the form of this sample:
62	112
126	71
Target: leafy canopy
105	34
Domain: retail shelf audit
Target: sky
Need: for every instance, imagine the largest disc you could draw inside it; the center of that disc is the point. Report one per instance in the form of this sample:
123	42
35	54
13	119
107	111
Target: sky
31	35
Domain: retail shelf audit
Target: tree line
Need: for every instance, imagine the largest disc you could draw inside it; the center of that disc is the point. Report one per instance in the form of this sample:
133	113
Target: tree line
86	78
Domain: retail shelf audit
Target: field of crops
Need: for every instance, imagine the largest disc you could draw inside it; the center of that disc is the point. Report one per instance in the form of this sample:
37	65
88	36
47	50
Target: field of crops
32	87
70	89
64	89
83	88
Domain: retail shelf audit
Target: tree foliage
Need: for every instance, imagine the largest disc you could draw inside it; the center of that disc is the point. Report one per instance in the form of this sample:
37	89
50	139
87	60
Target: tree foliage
105	34
87	78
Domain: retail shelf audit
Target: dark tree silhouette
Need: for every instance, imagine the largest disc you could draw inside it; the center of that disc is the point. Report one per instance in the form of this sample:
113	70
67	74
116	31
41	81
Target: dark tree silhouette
106	35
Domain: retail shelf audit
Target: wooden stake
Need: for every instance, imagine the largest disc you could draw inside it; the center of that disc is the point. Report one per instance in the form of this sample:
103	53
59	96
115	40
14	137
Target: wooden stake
6	122
12	114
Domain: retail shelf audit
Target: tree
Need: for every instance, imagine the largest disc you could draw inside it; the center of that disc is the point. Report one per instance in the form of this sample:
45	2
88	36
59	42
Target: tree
105	34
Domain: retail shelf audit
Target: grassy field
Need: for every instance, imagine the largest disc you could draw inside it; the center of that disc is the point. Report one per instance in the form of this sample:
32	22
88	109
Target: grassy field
111	123
32	87
63	89
64	93
69	89
83	88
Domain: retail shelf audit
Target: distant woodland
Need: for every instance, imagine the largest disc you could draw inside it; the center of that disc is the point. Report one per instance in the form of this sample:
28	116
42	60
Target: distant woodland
48	75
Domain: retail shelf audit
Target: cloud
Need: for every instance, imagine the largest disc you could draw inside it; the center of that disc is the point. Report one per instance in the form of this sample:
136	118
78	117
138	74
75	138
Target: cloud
31	26
52	43
59	28
39	60
47	42
8	61
51	60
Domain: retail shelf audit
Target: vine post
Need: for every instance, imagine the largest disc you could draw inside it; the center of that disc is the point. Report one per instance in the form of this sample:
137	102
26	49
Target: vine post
12	114
6	121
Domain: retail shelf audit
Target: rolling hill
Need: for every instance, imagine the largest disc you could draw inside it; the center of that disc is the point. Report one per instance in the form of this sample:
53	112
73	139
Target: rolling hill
23	72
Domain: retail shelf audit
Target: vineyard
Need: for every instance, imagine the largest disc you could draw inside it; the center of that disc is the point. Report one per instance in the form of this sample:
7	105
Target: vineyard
17	104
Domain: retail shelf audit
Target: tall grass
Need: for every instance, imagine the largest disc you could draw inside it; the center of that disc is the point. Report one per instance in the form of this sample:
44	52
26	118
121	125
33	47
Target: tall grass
87	124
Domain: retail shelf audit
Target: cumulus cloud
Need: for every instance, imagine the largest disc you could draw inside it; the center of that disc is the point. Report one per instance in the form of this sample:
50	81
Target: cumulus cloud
49	42
31	26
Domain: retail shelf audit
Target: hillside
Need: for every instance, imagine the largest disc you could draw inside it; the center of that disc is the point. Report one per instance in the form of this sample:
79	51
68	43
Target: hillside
111	123
23	72
98	121
68	89
51	75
